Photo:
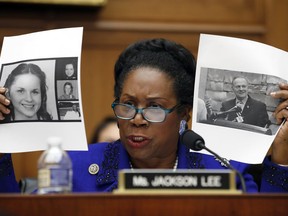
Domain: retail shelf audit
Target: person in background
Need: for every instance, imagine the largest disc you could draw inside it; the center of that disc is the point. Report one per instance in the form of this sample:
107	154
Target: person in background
68	92
27	91
106	131
153	91
202	111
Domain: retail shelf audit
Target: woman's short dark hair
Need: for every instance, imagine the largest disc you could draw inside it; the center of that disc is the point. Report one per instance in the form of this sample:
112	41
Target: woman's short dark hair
167	56
34	69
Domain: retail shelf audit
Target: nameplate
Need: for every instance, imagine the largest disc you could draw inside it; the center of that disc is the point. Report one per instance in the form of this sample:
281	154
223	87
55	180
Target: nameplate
141	180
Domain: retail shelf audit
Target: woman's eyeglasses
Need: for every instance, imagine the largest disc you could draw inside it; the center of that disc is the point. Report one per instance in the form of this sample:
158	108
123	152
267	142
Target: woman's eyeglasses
151	114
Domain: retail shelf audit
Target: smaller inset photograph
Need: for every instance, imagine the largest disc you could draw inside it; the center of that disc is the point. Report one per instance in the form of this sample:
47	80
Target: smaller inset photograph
69	110
66	68
67	90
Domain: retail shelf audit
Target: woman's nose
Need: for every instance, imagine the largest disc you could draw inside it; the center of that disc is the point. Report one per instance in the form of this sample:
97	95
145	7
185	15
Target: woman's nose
28	97
139	120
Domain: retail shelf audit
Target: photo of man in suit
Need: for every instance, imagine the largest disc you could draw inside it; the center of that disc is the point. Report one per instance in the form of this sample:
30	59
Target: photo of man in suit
244	108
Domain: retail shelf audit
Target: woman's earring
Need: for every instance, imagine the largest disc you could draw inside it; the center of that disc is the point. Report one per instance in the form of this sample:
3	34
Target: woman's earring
183	126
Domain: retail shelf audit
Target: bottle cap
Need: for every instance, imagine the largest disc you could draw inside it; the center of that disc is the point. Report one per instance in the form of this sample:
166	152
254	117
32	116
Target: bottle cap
54	140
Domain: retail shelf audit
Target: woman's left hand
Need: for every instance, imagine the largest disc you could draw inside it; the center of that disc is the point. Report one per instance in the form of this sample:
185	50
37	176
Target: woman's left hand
279	152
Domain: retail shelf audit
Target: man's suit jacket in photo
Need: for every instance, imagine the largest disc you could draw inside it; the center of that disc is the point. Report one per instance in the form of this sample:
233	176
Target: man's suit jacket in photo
254	112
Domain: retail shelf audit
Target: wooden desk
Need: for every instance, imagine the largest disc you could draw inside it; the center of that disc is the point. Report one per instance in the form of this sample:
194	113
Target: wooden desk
126	205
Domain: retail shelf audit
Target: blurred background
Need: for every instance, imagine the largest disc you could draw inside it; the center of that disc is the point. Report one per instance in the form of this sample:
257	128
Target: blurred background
110	25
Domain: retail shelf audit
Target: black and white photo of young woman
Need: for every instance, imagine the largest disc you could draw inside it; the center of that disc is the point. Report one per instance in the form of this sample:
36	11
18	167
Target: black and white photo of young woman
66	68
27	88
67	90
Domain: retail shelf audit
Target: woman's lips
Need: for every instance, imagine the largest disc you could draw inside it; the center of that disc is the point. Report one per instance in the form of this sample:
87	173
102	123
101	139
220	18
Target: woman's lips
137	141
28	106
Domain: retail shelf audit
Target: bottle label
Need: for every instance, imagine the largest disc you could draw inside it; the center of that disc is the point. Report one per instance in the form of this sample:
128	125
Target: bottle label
54	177
43	178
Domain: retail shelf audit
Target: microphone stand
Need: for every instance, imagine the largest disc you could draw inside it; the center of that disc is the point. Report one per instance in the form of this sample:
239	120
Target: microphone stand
196	143
229	166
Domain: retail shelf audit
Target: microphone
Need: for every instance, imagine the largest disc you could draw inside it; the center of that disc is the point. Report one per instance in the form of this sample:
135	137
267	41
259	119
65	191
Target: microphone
195	142
235	109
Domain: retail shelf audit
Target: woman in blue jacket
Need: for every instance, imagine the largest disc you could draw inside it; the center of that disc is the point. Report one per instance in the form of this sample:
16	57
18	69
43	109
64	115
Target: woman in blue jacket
154	82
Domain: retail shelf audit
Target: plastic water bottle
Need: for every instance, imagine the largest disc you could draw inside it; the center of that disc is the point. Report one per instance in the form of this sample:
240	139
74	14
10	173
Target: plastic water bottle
54	169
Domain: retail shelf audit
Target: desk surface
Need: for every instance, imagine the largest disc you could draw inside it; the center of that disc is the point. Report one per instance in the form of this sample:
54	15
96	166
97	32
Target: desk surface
117	204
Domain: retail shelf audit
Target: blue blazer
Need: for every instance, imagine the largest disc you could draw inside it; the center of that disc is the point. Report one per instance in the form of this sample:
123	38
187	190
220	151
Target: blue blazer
111	157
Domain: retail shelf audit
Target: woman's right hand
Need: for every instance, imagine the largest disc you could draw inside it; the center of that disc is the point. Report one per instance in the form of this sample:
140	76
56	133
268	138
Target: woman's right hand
4	102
